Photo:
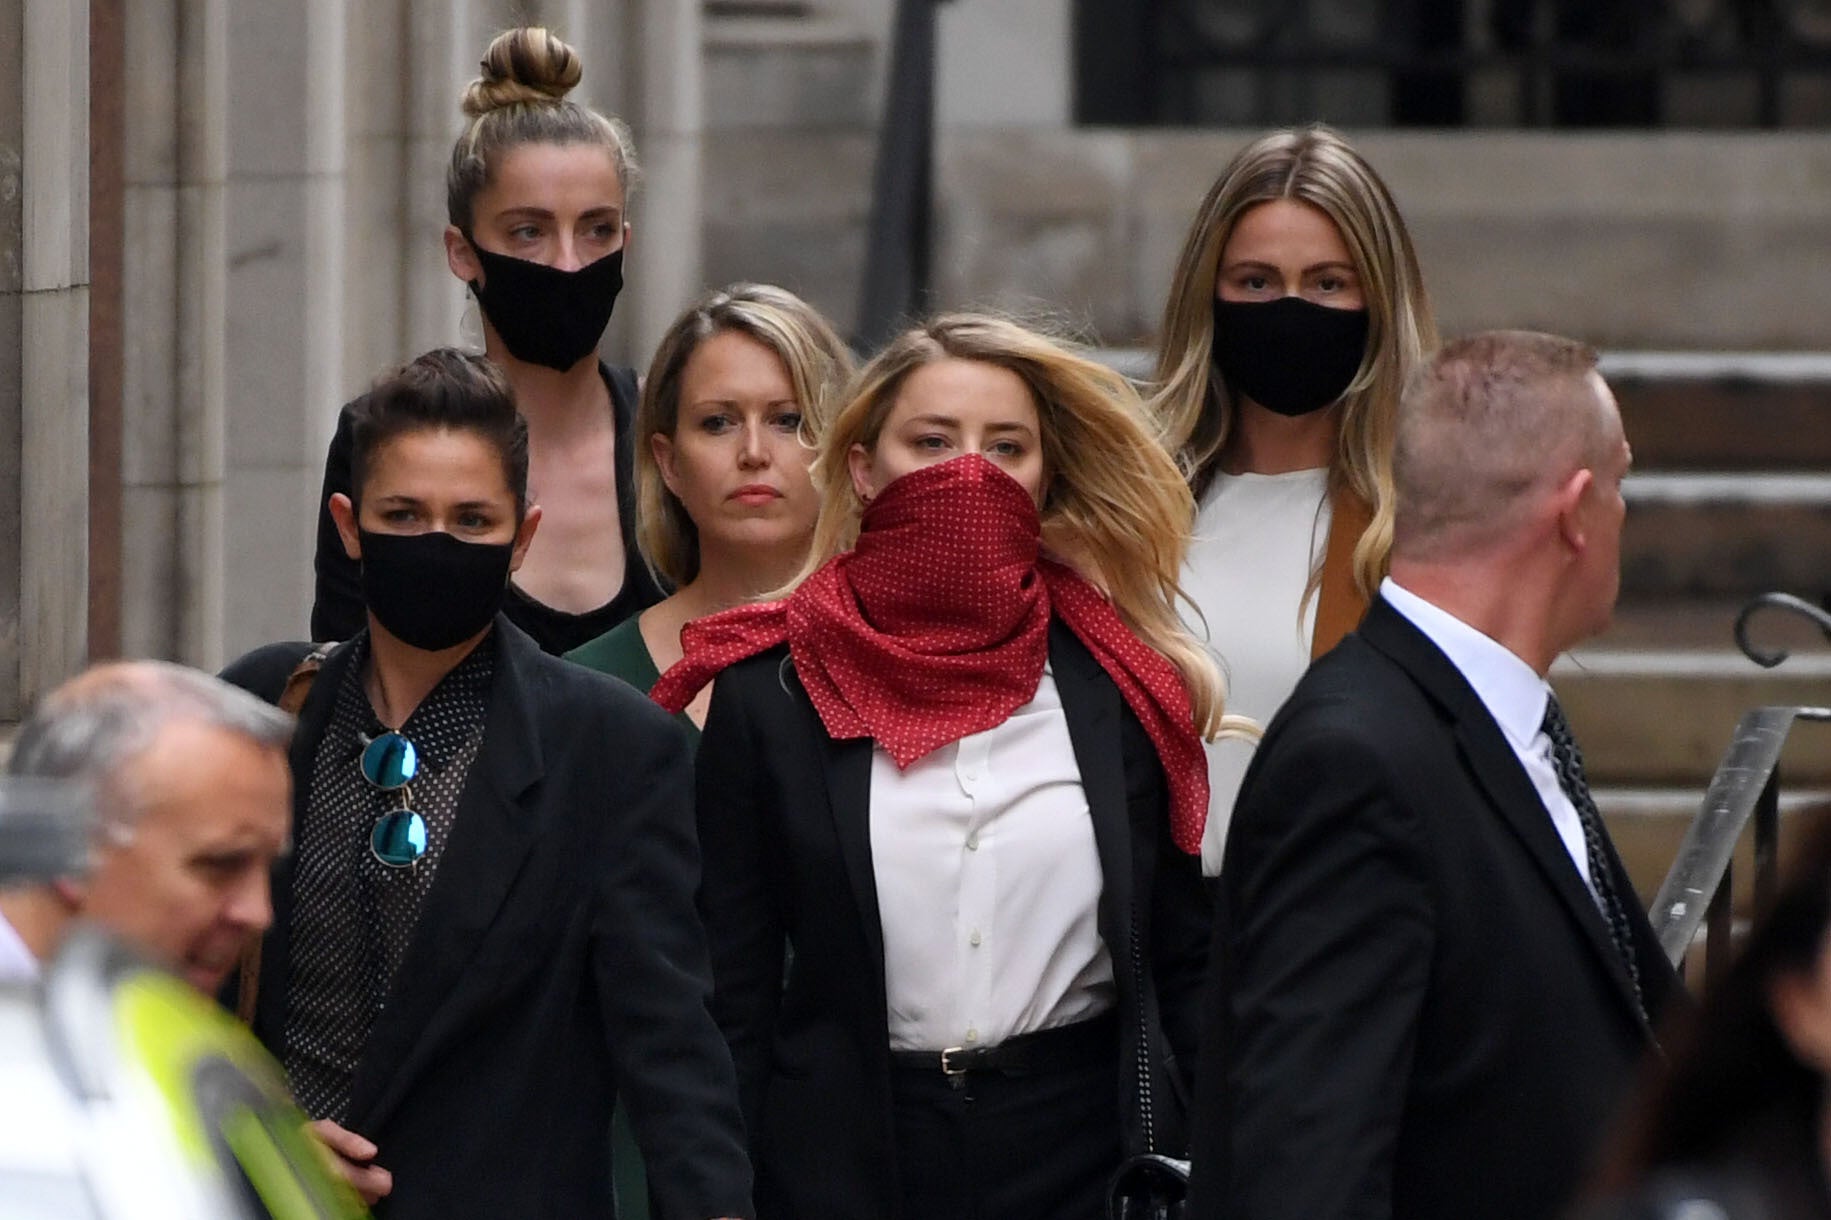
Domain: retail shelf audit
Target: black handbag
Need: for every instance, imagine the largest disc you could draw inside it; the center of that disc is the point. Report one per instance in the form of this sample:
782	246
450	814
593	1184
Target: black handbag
1148	1187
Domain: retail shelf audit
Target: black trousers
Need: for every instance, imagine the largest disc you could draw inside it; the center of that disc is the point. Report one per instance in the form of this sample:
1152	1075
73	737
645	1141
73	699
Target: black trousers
990	1146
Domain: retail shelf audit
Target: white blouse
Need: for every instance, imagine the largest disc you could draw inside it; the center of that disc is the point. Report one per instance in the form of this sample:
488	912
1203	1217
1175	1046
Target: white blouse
1257	539
988	885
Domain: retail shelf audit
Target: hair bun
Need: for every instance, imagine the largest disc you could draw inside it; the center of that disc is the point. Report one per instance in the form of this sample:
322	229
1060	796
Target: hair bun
529	64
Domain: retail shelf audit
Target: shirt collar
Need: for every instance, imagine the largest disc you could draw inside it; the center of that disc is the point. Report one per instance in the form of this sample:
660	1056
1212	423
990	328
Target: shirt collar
1510	689
456	706
16	960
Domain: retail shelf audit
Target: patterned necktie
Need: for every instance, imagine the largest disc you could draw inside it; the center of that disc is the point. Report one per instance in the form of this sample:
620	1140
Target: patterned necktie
1569	763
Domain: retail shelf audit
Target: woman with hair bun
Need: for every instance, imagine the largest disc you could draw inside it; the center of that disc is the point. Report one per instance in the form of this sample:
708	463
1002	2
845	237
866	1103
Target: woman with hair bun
537	195
955	779
1296	312
733	404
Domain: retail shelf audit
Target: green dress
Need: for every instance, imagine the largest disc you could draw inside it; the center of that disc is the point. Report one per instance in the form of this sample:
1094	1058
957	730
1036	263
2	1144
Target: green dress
621	653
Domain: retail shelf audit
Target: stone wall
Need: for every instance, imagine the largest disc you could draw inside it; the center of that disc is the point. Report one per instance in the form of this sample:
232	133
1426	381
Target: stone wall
44	331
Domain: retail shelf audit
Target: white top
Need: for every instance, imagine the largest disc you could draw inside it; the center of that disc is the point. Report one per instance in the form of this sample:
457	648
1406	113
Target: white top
17	965
1514	695
988	885
1257	539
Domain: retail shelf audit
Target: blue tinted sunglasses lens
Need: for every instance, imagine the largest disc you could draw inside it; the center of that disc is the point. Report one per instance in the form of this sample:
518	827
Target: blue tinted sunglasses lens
399	839
389	761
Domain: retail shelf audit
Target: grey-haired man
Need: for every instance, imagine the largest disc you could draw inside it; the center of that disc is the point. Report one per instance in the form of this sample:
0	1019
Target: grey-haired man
194	798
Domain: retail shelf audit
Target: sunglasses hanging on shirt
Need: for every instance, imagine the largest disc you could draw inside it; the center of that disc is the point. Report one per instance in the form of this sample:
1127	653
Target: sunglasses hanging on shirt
389	762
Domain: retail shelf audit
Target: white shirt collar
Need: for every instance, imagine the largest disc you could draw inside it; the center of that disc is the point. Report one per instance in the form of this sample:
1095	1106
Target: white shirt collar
1510	689
16	961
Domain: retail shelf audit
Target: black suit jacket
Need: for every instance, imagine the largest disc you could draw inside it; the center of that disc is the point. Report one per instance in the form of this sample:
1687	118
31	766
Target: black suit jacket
557	960
784	824
1416	1010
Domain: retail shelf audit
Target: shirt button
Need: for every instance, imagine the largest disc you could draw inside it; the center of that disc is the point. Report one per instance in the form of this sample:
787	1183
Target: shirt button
972	842
973	940
972	1035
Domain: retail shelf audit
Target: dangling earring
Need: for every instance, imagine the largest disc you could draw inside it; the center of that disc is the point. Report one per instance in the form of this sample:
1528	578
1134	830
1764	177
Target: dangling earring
470	324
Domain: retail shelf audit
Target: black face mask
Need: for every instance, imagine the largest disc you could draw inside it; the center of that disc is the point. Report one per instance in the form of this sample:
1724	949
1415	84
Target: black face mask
547	316
1290	355
433	591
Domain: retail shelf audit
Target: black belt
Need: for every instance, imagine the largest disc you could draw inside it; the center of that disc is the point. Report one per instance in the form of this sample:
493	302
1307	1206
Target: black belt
1065	1046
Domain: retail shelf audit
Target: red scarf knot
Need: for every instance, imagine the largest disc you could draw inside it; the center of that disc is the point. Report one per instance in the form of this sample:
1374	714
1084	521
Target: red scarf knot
935	626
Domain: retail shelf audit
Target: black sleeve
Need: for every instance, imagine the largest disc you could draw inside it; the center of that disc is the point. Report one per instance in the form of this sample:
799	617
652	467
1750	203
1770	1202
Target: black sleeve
337	609
744	924
673	1071
1323	943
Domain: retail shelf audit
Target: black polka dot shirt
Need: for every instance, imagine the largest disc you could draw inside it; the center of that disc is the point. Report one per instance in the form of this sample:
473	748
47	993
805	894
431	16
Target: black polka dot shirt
353	916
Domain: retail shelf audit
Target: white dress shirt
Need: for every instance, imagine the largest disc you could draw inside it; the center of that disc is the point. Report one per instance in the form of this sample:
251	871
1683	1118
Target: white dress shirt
988	885
17	965
1514	695
1257	539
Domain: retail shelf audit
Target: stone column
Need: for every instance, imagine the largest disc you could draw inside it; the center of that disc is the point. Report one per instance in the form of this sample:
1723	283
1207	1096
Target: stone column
667	114
44	310
173	288
286	241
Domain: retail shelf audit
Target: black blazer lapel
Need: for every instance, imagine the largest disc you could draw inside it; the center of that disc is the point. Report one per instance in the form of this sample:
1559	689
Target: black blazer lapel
492	833
848	793
1495	768
1090	704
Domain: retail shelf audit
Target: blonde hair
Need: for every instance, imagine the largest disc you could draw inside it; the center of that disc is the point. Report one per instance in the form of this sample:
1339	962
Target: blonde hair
521	99
1194	409
1114	507
818	365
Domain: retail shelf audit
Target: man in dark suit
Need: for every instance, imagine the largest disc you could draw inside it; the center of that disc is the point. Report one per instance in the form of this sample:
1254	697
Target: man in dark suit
1431	979
485	932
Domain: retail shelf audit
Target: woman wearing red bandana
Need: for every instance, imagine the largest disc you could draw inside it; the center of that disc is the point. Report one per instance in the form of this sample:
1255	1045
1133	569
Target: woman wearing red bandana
957	776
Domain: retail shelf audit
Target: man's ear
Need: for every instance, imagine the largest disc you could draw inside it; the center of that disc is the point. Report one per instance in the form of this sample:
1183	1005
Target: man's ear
73	892
1569	500
523	536
343	513
460	257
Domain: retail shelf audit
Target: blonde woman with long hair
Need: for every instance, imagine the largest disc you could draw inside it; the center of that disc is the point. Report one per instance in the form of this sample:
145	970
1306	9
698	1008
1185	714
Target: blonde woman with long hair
1295	314
734	402
957	769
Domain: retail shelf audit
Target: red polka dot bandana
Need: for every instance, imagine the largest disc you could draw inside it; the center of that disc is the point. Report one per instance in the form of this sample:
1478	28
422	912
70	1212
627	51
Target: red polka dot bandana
935	626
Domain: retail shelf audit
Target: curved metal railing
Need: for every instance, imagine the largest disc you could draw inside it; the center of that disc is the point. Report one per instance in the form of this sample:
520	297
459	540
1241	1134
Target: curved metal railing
1745	788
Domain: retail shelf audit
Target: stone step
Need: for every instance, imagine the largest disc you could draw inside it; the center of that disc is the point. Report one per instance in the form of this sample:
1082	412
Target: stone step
1726	534
1648	824
1660	716
791	69
1724	411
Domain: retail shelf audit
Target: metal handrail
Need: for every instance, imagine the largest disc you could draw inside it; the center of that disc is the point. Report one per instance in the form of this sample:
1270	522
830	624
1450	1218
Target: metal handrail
1767	658
1746	785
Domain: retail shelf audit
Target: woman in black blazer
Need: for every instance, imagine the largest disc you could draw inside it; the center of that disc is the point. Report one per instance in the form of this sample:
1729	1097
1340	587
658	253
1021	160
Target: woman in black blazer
955	779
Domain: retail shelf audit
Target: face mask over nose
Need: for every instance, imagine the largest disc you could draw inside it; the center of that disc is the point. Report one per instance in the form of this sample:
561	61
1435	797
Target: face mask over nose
546	316
1290	355
433	591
